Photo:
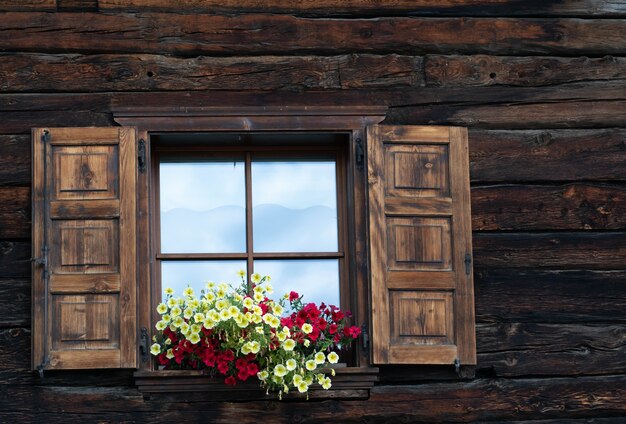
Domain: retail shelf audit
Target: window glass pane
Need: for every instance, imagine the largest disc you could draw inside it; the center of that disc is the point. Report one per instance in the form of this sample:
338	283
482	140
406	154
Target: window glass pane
203	207
180	274
316	279
294	206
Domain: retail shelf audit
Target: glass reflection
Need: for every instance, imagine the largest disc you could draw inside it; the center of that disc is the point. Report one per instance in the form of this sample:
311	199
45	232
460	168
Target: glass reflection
180	274
294	206
316	279
203	207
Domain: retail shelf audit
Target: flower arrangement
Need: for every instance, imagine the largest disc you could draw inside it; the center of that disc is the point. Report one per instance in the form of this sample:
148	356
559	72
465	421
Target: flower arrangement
237	333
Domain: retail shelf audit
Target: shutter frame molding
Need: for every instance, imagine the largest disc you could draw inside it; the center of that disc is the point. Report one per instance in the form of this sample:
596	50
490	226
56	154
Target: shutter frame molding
420	238
84	217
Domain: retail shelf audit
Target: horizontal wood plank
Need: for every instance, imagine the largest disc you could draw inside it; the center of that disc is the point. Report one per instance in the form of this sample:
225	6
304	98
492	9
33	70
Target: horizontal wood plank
14	302
14	259
92	73
574	114
482	70
523	349
549	296
547	155
15	159
485	399
22	122
28	5
229	35
14	212
563	207
378	7
568	250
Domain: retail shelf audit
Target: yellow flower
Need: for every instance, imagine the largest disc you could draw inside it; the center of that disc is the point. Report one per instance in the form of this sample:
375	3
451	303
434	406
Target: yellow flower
162	308
259	329
194	303
195	328
161	325
155	349
320	378
188	292
320	358
307	343
256	319
170	353
213	315
256	278
222	304
171	302
258	296
278	310
289	344
222	286
307	328
166	318
198	317
255	347
279	370
282	337
262	375
175	311
267	318
194	338
188	313
302	387
327	384
224	315
248	302
241	273
333	358
184	327
291	365
257	310
297	379
310	365
210	285
220	293
269	289
274	322
241	321
169	290
245	349
210	296
234	311
178	321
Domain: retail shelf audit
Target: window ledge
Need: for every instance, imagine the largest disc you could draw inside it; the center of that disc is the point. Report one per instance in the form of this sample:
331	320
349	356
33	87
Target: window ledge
348	383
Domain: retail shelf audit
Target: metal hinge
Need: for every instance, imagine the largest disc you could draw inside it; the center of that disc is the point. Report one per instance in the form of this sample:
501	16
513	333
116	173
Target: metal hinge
365	338
457	365
359	153
45	136
468	264
143	344
141	156
43	260
40	370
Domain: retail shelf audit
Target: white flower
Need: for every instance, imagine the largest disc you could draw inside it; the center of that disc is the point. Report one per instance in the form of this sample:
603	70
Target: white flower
162	308
320	358
289	344
310	365
333	358
280	370
155	349
291	365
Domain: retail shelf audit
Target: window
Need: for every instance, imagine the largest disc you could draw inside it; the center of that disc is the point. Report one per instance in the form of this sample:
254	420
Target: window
397	235
237	201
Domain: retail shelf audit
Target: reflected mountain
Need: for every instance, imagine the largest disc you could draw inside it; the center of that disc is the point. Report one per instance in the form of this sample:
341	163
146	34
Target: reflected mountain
276	228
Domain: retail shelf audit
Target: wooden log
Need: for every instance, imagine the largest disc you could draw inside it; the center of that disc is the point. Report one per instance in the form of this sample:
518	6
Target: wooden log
549	296
524	349
547	155
15	160
14	259
378	7
14	212
563	207
22	122
264	34
28	5
575	250
485	399
15	302
482	70
592	114
92	73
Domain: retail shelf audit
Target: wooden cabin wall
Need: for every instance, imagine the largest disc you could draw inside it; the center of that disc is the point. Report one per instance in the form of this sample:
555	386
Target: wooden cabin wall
541	84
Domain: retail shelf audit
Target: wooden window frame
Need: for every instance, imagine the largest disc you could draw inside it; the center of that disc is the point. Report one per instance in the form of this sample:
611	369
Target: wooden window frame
351	382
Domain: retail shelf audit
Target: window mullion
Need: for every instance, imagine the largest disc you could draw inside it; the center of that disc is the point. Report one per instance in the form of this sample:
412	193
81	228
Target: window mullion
249	239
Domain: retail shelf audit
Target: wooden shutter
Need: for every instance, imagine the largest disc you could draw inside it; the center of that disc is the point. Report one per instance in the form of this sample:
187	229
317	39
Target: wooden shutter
84	243
420	245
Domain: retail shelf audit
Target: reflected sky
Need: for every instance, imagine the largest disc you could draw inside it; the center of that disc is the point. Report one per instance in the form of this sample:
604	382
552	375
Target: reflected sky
180	274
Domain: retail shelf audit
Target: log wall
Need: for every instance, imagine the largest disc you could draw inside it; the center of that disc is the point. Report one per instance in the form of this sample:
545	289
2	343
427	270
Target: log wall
541	86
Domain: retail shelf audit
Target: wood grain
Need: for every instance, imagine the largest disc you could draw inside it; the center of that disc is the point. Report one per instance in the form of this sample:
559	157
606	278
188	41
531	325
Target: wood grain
263	34
379	7
14	212
21	122
14	259
567	250
548	207
482	70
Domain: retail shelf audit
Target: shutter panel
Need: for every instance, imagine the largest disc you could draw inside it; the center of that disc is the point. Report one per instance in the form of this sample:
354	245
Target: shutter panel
420	240
84	312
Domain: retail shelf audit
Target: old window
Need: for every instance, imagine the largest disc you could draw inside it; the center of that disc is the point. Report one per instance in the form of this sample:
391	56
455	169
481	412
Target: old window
393	210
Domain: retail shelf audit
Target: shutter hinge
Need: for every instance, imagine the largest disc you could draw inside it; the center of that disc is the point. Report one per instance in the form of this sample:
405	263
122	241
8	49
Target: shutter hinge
141	156
365	338
457	366
359	153
43	260
45	136
468	264
40	370
143	344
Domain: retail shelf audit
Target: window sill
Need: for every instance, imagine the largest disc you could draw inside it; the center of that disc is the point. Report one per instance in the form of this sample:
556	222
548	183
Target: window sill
348	383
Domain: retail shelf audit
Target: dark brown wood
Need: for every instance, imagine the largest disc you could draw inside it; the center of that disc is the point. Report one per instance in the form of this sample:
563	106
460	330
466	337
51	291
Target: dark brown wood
575	114
547	155
34	72
14	259
22	122
568	250
163	33
77	5
15	160
515	349
511	294
15	300
564	207
379	7
482	70
14	212
28	5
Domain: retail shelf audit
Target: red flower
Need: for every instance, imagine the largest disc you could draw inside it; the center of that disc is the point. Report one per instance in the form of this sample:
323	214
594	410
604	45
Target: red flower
293	296
230	380
332	328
